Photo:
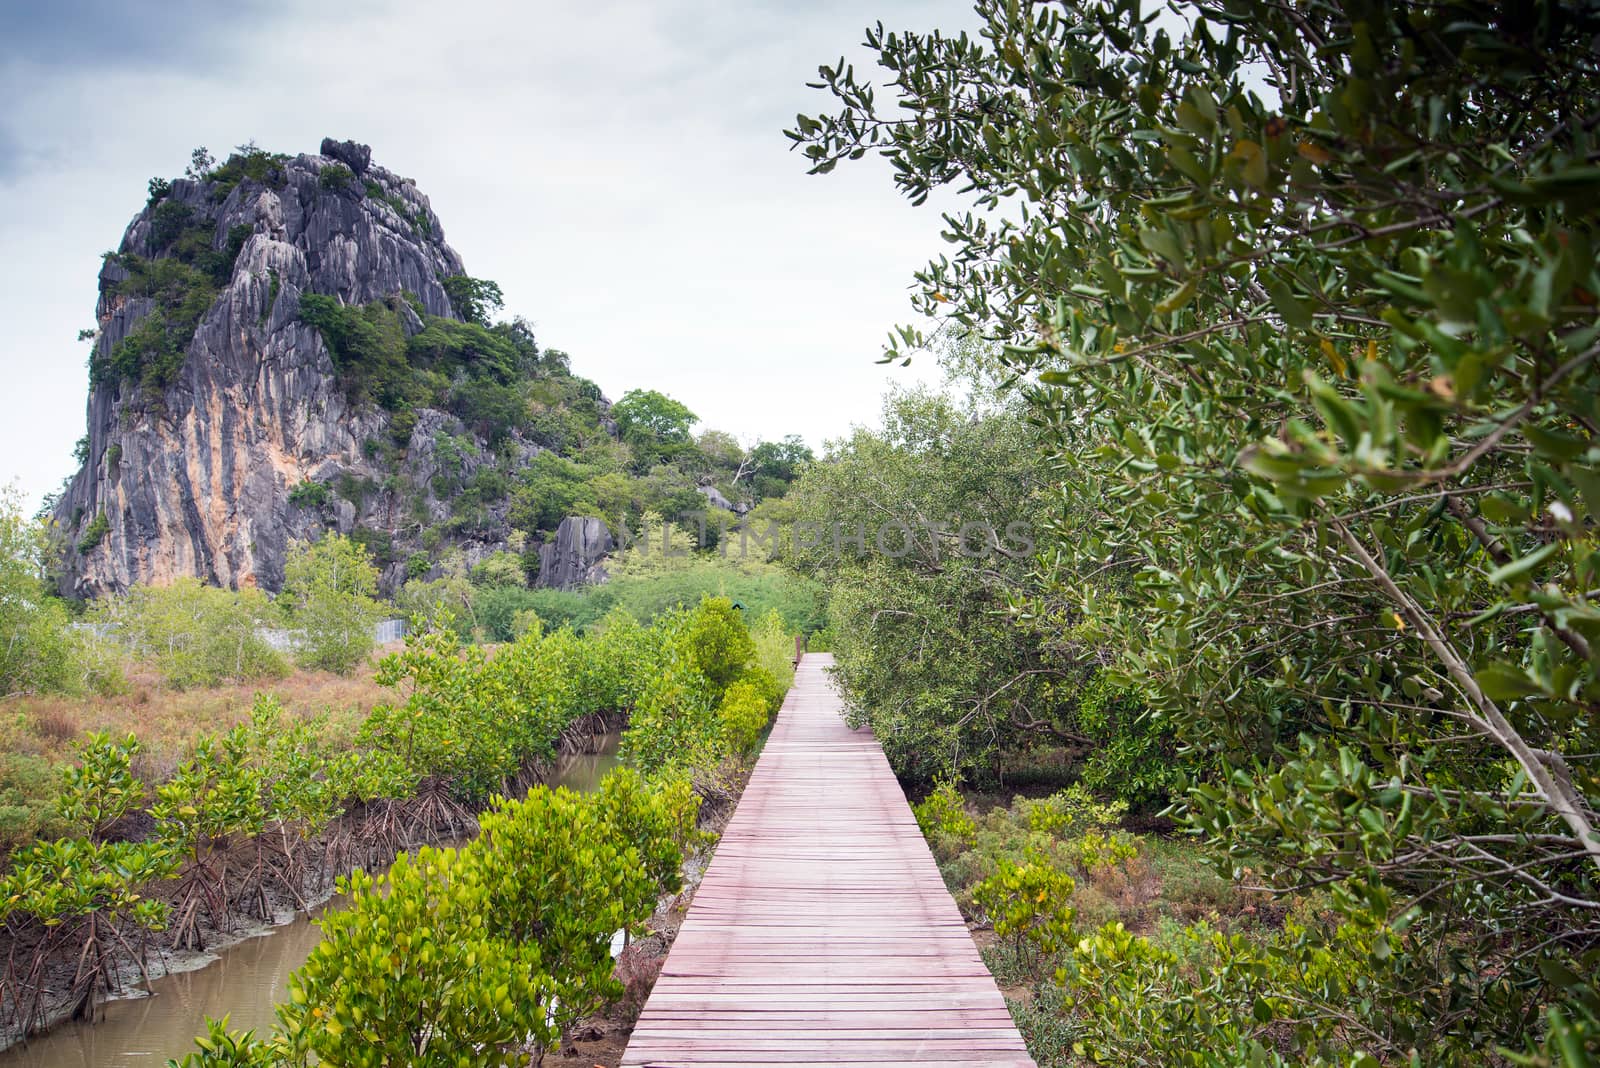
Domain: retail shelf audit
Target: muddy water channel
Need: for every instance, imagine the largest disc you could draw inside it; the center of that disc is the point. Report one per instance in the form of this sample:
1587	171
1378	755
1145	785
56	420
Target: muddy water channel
244	981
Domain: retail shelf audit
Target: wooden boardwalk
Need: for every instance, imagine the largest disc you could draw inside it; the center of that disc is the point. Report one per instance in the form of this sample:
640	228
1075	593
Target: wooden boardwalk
822	933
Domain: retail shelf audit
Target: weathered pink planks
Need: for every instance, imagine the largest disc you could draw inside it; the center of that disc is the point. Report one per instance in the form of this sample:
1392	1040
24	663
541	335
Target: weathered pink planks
822	933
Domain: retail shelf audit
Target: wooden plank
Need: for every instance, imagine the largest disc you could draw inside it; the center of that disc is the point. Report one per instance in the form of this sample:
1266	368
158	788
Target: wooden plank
822	932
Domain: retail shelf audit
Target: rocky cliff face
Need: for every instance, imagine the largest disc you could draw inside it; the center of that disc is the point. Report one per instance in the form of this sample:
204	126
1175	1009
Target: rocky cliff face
196	441
575	555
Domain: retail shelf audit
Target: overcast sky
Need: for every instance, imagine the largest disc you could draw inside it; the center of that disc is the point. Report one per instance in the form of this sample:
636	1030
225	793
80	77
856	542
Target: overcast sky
618	167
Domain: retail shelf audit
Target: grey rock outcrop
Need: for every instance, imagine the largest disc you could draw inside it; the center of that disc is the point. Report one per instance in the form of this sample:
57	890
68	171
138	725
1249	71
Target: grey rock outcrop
357	157
714	497
196	481
574	557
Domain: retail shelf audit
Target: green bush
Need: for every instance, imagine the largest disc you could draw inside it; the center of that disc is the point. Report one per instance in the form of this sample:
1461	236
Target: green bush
716	643
745	710
495	609
329	593
409	972
194	634
944	821
39	652
1030	904
94	533
336	176
308	494
473	299
248	163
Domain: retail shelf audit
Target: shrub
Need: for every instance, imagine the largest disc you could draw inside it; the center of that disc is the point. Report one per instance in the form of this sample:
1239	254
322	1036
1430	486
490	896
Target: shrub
774	641
744	711
28	787
329	591
443	604
500	569
716	642
308	494
495	609
473	298
943	818
1073	809
94	533
194	634
1030	904
409	969
38	650
336	176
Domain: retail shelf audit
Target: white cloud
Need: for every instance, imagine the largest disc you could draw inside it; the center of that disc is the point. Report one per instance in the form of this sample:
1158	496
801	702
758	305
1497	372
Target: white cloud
618	167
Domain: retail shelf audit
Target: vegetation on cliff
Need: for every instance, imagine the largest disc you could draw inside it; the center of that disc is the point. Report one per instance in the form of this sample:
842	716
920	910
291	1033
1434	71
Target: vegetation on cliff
440	427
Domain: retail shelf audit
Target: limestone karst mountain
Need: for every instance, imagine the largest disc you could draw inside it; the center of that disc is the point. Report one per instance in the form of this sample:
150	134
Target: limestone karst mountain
287	345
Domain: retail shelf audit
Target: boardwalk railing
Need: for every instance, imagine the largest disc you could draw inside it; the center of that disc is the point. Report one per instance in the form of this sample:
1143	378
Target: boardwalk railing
822	932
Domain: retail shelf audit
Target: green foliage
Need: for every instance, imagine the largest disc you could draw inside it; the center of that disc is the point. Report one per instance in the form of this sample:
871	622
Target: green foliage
222	1048
410	973
1135	756
774	642
446	603
94	533
194	634
1073	810
28	809
1030	904
82	897
561	877
942	816
657	817
181	281
329	590
716	643
778	463
308	494
655	425
101	789
1205	993
473	299
336	177
928	652
673	724
650	579
496	608
475	955
700	696
1324	456
745	710
368	348
555	609
38	651
500	569
471	369
246	163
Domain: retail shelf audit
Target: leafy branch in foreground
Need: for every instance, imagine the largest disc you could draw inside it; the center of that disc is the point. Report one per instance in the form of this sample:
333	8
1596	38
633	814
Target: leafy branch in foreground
1306	297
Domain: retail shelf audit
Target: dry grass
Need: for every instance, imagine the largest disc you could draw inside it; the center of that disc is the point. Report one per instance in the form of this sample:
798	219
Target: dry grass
168	722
